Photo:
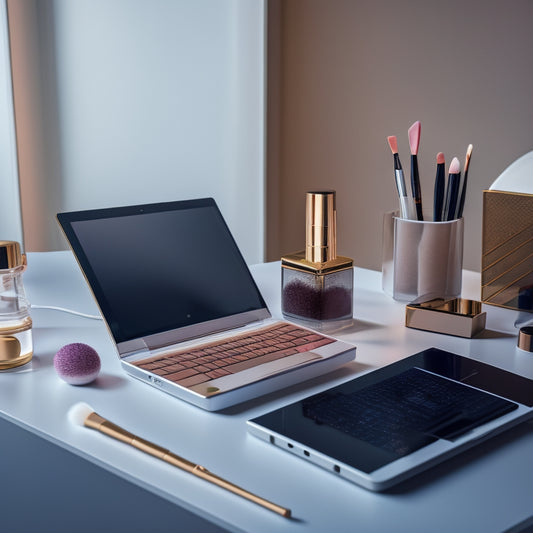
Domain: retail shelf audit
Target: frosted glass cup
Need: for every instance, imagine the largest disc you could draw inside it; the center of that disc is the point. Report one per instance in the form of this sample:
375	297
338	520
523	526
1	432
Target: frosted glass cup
422	259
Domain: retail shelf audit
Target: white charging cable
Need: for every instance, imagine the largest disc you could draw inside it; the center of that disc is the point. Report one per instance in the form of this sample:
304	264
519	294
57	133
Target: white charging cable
63	310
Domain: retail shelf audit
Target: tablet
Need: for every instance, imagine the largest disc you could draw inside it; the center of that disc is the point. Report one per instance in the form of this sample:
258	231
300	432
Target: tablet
385	426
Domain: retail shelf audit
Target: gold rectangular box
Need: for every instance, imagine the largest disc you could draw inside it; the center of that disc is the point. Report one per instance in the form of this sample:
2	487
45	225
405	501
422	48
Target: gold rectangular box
507	250
456	316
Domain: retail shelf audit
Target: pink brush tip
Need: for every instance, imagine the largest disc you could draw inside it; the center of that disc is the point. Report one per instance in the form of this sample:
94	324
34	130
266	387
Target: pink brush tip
440	158
414	137
455	166
393	143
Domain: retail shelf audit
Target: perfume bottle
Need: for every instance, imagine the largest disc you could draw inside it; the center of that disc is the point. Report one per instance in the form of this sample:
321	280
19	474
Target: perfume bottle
317	284
16	345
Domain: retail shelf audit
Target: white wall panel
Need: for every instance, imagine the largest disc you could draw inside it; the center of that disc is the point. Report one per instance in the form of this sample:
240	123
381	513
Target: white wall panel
10	221
148	101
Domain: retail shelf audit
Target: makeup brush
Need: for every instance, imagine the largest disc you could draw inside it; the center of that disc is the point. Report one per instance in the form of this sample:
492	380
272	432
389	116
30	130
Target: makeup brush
454	178
465	179
438	195
414	142
82	414
405	211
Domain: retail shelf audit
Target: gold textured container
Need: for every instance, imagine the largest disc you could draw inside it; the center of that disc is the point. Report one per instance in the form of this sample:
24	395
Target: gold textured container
16	344
507	250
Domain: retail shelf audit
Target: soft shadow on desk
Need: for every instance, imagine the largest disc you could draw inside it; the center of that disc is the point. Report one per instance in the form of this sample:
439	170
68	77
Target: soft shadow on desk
450	466
103	381
491	334
108	381
345	371
355	326
36	363
296	520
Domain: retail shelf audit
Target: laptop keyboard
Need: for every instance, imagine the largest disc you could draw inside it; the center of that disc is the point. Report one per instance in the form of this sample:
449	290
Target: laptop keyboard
230	355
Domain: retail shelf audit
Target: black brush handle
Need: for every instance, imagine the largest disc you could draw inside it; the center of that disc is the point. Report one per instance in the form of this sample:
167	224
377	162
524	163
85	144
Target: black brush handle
415	187
461	206
438	200
451	195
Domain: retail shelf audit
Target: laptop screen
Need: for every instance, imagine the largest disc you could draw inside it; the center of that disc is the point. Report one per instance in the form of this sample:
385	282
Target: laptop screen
160	267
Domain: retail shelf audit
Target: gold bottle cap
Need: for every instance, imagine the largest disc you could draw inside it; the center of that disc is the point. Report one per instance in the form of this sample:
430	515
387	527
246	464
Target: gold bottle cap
525	338
10	255
321	231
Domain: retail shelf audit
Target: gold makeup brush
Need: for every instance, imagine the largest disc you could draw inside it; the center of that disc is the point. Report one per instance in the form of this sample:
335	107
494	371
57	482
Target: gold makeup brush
82	414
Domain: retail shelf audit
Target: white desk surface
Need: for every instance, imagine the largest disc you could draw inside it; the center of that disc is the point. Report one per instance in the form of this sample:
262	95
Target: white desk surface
489	488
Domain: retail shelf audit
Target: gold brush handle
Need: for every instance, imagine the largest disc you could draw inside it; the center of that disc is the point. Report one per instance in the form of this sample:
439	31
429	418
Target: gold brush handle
95	421
203	473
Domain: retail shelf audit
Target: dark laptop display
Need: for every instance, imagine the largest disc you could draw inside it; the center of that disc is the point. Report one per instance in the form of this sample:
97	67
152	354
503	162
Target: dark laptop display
173	279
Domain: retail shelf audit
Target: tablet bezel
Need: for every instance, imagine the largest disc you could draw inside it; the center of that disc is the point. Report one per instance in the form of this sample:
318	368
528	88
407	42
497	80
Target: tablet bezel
506	385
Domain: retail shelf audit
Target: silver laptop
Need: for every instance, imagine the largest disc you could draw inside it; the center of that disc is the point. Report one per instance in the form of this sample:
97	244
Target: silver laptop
183	309
385	426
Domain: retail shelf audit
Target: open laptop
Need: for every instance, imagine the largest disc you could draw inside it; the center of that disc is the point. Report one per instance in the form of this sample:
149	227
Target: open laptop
169	279
389	424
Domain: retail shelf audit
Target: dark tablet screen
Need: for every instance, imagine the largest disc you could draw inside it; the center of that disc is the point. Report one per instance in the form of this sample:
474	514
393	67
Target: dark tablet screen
389	413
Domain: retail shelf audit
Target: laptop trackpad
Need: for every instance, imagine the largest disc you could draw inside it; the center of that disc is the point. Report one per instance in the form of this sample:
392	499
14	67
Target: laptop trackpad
256	373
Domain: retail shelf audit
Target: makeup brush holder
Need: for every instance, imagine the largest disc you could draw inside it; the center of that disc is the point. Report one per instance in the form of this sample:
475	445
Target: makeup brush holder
422	259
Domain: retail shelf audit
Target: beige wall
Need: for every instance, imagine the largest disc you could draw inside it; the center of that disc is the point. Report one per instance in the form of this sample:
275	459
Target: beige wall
343	75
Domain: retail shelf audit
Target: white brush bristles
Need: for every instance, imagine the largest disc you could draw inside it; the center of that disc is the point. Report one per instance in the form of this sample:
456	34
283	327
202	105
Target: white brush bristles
78	413
455	166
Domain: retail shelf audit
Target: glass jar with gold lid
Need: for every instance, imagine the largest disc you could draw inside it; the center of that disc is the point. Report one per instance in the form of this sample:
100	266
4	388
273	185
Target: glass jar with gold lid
16	344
